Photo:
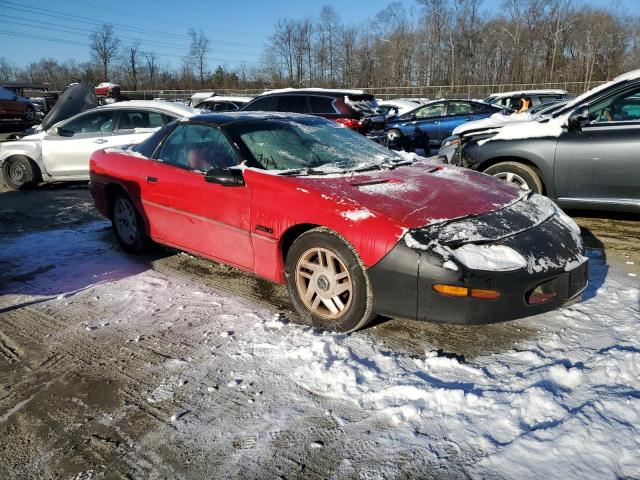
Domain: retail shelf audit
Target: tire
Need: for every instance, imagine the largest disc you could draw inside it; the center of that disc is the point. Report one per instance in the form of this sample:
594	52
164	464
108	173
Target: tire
517	174
335	293
394	139
128	224
20	172
29	114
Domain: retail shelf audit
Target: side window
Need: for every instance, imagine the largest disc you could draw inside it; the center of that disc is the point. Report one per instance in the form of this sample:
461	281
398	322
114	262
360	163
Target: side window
267	104
322	104
197	147
429	111
94	122
624	107
292	103
458	108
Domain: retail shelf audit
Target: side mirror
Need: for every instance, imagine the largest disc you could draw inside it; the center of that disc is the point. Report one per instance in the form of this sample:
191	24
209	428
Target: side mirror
225	176
578	119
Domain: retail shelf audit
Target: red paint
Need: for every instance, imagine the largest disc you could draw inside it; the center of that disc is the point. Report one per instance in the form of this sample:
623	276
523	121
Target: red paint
227	223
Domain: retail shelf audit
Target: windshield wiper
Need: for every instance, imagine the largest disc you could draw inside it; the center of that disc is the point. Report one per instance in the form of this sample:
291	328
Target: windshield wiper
304	171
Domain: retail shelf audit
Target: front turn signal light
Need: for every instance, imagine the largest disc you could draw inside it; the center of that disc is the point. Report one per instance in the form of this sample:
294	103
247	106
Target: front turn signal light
484	294
458	291
451	290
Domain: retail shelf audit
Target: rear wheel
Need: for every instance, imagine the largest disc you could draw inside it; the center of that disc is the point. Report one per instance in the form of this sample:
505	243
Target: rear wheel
29	114
128	224
19	172
518	174
327	282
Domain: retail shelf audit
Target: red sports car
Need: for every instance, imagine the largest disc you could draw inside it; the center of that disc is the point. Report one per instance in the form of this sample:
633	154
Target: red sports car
352	228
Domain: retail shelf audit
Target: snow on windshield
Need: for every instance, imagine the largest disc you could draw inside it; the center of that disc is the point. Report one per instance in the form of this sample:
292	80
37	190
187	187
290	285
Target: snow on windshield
309	143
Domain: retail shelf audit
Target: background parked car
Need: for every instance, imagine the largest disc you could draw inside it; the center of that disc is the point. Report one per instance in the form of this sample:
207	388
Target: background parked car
352	108
511	100
583	155
15	107
396	106
497	120
427	125
61	151
221	103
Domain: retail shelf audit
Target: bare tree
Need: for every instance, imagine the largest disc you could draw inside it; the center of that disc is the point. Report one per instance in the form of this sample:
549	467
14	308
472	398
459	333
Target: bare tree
150	59
104	47
198	52
132	60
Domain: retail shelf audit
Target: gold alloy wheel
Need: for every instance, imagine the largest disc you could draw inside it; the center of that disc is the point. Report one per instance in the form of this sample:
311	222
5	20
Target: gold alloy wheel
323	282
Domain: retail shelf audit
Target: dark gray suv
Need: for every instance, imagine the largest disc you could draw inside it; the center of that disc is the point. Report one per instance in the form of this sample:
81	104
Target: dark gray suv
585	155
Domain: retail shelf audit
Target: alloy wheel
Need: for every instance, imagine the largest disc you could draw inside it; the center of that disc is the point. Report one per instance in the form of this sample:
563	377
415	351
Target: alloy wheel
125	220
324	283
514	179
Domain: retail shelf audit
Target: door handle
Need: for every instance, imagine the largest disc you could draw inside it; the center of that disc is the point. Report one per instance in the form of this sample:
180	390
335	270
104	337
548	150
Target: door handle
100	140
151	179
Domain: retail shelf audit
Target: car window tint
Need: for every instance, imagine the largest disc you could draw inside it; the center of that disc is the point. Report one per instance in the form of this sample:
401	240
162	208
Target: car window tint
292	103
94	122
263	104
429	111
197	147
321	104
6	94
130	119
622	107
458	108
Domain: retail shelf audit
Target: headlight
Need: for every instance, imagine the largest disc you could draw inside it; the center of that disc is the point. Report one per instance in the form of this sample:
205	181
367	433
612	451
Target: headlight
450	142
495	258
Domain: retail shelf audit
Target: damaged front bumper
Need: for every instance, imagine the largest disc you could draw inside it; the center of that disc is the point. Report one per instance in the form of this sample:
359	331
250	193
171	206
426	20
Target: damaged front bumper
555	272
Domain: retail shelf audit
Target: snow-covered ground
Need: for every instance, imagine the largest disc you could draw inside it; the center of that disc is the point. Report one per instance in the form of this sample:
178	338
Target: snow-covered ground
563	403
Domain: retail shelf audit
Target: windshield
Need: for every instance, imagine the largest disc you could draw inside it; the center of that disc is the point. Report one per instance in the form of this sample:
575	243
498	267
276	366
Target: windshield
309	145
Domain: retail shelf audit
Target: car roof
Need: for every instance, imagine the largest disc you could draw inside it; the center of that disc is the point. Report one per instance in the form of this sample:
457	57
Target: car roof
529	92
220	98
329	91
172	107
223	118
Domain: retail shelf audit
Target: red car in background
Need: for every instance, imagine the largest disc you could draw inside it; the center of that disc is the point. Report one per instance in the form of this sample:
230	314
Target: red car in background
352	228
15	107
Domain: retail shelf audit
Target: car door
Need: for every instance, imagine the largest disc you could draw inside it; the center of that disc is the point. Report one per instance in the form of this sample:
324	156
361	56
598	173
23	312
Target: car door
428	119
136	125
600	162
186	211
66	152
457	113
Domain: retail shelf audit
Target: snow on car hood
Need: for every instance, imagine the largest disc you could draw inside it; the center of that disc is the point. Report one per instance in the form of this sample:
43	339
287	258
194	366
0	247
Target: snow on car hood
416	195
548	127
75	99
496	120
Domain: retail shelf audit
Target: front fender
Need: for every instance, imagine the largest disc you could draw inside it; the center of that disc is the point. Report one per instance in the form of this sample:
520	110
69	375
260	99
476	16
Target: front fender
29	148
539	152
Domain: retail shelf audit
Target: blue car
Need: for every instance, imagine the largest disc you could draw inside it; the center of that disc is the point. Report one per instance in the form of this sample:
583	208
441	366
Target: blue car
427	125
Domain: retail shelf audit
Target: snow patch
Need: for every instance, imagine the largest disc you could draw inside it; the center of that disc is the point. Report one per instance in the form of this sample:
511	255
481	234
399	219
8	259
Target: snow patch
357	215
498	258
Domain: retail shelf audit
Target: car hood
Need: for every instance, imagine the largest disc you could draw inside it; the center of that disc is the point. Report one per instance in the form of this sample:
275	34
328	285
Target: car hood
496	120
417	195
75	99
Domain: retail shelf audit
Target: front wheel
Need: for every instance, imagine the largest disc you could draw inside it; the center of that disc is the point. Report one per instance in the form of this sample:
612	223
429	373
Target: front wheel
128	224
517	174
19	172
327	282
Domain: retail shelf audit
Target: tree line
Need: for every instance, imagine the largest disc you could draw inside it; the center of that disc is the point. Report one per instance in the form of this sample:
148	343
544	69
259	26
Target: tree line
430	42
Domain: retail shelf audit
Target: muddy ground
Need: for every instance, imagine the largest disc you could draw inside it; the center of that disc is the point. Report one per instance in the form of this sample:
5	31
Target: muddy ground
57	387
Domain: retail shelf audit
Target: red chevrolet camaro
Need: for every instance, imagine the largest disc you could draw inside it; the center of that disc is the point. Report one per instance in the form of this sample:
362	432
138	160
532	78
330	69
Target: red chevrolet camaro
352	228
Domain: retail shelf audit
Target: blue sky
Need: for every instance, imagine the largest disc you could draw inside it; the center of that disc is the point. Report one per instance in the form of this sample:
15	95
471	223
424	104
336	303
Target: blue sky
237	29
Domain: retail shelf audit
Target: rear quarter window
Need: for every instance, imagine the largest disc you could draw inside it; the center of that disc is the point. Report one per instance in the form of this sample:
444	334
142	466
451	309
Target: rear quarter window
321	104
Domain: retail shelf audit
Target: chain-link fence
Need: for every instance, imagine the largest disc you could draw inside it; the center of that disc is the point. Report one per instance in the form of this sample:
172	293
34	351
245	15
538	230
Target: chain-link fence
428	91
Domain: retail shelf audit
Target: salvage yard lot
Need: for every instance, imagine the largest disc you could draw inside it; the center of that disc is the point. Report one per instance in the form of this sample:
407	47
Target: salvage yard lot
114	366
